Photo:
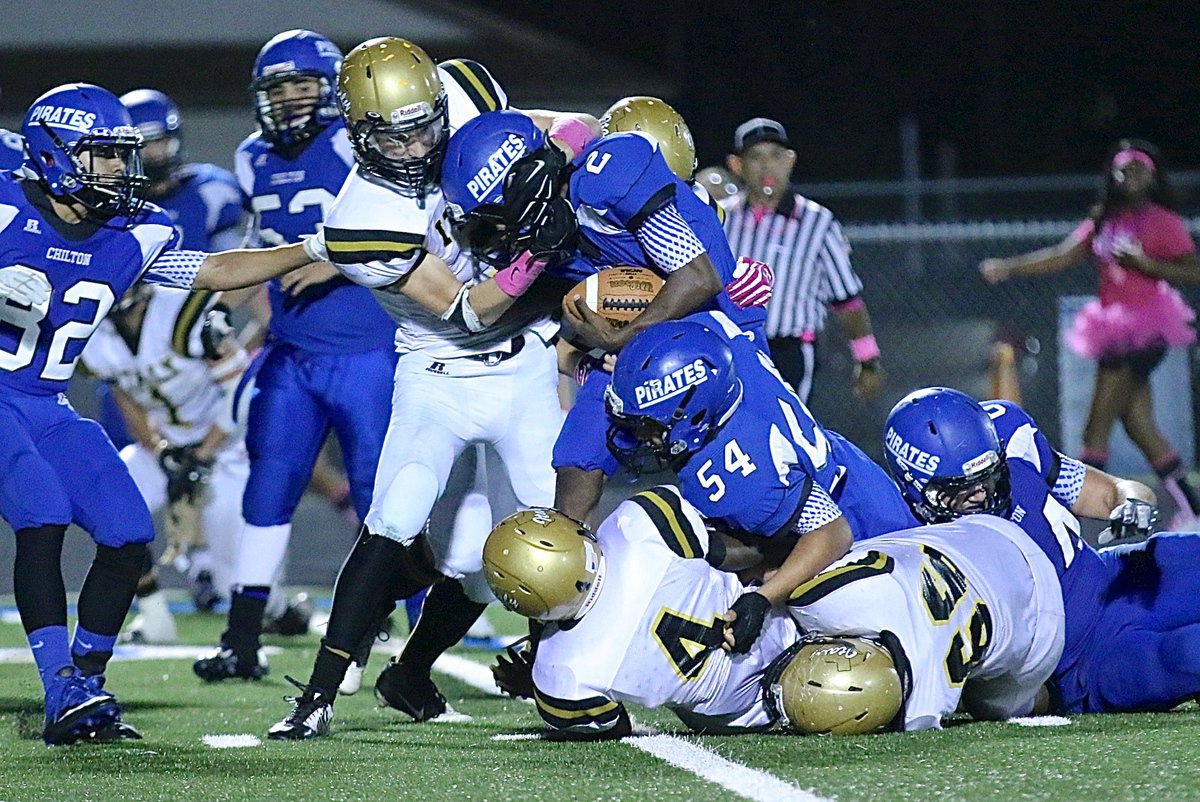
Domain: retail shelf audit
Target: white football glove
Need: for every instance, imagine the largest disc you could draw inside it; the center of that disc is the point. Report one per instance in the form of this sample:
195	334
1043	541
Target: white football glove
314	247
1133	520
25	286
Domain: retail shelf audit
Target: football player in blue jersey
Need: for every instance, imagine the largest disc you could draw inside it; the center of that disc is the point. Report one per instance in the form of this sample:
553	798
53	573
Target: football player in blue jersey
700	398
329	359
75	233
1132	624
616	203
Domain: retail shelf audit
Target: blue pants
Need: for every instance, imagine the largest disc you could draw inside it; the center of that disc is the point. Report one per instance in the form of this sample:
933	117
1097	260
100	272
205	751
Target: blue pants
1144	649
111	417
298	395
57	468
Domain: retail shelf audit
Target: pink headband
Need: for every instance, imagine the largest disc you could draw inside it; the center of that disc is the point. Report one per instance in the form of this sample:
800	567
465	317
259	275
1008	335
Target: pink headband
1128	155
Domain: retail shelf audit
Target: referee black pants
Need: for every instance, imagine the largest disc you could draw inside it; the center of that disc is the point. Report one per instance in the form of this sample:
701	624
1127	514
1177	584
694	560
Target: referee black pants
797	361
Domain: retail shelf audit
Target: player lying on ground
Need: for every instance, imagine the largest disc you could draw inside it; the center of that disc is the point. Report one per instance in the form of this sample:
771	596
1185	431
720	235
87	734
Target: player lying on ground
1133	624
634	612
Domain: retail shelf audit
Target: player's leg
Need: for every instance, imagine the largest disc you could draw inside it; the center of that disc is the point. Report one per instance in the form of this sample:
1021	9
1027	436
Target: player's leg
1109	397
428	428
1145	669
119	522
222	520
1161	575
154	622
285	430
581	459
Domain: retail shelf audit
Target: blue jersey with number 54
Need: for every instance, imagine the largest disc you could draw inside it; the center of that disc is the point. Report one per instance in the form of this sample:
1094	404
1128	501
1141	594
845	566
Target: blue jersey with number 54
289	198
773	469
88	267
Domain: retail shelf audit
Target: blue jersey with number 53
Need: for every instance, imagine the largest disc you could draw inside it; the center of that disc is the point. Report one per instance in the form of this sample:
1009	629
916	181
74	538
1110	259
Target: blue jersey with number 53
88	266
758	473
289	198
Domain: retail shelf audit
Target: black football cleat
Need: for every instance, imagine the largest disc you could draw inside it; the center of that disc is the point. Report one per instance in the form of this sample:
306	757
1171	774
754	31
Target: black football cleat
409	691
311	716
226	663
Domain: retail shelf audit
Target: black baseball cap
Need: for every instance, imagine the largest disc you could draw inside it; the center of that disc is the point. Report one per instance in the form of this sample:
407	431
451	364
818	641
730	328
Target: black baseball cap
760	129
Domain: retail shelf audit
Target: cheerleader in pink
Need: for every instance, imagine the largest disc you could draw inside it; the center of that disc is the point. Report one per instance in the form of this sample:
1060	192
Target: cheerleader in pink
1141	247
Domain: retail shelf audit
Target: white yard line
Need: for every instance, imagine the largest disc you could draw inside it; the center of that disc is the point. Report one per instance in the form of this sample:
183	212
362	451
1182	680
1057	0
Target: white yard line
21	654
742	780
231	741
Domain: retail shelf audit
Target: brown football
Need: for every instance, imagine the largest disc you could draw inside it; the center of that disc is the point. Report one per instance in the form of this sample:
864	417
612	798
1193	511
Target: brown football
619	294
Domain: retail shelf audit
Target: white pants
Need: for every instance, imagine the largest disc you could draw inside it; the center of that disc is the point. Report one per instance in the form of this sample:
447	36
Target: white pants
438	407
221	518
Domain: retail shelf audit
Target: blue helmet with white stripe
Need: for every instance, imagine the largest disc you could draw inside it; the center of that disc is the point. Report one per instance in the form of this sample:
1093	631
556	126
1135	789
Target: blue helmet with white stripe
944	452
157	119
288	122
75	135
674	387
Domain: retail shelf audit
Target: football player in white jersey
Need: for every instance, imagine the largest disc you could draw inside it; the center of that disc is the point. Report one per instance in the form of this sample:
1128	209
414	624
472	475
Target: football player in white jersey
174	379
635	612
462	376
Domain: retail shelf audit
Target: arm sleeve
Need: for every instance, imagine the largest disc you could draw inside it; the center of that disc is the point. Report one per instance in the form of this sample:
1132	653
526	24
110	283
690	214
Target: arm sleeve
668	239
816	509
176	269
578	713
373	258
1069	482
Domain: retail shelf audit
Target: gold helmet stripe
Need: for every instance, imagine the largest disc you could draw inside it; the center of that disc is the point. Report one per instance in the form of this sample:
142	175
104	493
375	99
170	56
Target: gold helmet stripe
666	513
193	309
475	81
875	563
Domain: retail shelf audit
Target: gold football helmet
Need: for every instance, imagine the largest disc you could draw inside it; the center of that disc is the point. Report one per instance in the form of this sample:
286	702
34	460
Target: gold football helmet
836	686
392	100
660	122
543	565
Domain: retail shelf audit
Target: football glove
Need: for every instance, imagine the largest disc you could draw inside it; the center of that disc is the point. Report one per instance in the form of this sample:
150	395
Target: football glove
514	676
25	287
753	283
1133	520
185	472
215	330
751	609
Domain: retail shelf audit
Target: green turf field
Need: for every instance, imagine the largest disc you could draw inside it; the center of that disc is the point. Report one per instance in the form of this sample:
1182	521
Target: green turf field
376	754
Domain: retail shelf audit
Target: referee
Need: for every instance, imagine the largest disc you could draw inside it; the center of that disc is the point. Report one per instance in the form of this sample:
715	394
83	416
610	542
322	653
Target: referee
803	243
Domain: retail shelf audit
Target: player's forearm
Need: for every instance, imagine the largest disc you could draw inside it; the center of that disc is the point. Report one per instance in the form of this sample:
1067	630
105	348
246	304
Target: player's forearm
811	555
1102	492
136	420
1176	271
685	291
232	270
489	301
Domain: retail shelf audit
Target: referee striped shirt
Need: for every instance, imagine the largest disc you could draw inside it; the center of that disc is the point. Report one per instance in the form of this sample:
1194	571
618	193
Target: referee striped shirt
804	245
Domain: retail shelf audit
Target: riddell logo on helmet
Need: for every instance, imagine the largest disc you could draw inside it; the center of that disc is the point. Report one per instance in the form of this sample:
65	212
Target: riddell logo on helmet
909	455
64	117
497	165
655	391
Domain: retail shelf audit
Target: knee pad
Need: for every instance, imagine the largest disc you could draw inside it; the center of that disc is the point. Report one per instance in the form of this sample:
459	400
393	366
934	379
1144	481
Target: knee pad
402	506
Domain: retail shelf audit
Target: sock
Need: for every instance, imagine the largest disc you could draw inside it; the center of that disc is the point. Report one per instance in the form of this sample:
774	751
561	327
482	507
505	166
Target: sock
91	651
447	616
50	651
1094	457
245	625
106	597
37	578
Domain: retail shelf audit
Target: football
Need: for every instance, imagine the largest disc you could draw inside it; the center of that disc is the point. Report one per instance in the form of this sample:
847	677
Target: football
619	294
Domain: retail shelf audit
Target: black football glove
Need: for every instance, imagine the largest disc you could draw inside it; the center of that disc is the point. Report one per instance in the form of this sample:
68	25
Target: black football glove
552	235
216	330
514	676
185	472
751	609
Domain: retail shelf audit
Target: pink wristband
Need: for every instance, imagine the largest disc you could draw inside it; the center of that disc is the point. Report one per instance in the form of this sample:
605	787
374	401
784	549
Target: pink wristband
573	133
515	279
864	348
850	304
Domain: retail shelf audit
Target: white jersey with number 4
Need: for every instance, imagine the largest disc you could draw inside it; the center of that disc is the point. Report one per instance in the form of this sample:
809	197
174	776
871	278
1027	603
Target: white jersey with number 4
645	639
975	605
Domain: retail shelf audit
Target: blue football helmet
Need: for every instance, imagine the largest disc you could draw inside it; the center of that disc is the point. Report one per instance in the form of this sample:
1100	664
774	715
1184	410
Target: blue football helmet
157	119
943	451
289	56
674	386
501	179
69	127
